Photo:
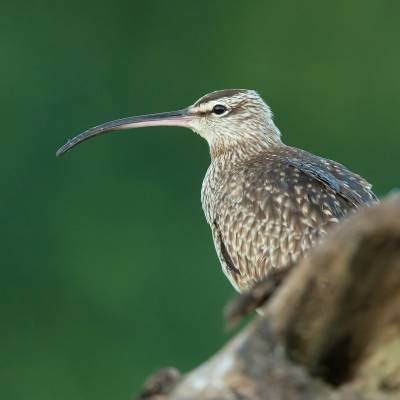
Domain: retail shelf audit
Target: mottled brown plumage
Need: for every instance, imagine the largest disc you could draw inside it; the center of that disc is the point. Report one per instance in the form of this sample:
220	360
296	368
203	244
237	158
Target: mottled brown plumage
266	203
267	210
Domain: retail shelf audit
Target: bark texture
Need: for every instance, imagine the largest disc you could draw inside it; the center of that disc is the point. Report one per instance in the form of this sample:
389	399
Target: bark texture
330	331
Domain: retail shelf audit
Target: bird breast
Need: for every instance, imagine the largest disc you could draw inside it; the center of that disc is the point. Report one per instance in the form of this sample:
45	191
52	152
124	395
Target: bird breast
267	211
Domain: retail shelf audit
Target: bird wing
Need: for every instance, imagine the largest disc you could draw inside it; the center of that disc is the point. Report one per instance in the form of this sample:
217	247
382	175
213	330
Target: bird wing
280	207
351	187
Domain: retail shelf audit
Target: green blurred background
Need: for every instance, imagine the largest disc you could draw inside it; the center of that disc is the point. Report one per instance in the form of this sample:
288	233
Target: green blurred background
108	269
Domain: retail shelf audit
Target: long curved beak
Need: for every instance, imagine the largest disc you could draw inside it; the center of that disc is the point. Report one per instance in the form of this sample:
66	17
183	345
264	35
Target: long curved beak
172	118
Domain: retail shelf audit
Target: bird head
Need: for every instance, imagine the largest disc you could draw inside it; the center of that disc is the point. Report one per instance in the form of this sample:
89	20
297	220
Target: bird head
227	119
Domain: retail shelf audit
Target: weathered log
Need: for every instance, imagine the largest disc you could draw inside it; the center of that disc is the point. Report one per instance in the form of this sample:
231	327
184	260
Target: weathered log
343	300
330	331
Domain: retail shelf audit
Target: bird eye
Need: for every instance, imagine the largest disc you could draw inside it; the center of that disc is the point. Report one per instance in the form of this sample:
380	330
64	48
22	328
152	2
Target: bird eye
219	109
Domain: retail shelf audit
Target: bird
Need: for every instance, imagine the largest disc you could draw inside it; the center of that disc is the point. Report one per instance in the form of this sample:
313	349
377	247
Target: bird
267	203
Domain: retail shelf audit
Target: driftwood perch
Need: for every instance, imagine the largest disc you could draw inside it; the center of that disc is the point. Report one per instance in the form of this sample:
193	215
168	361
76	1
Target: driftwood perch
330	331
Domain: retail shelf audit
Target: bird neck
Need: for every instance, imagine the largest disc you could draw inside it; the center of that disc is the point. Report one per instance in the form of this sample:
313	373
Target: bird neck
242	147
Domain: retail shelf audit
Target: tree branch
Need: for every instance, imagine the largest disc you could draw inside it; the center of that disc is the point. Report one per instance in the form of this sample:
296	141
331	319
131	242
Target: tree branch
330	331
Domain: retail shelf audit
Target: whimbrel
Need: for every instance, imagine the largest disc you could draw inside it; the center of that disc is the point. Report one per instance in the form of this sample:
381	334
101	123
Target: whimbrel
267	203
